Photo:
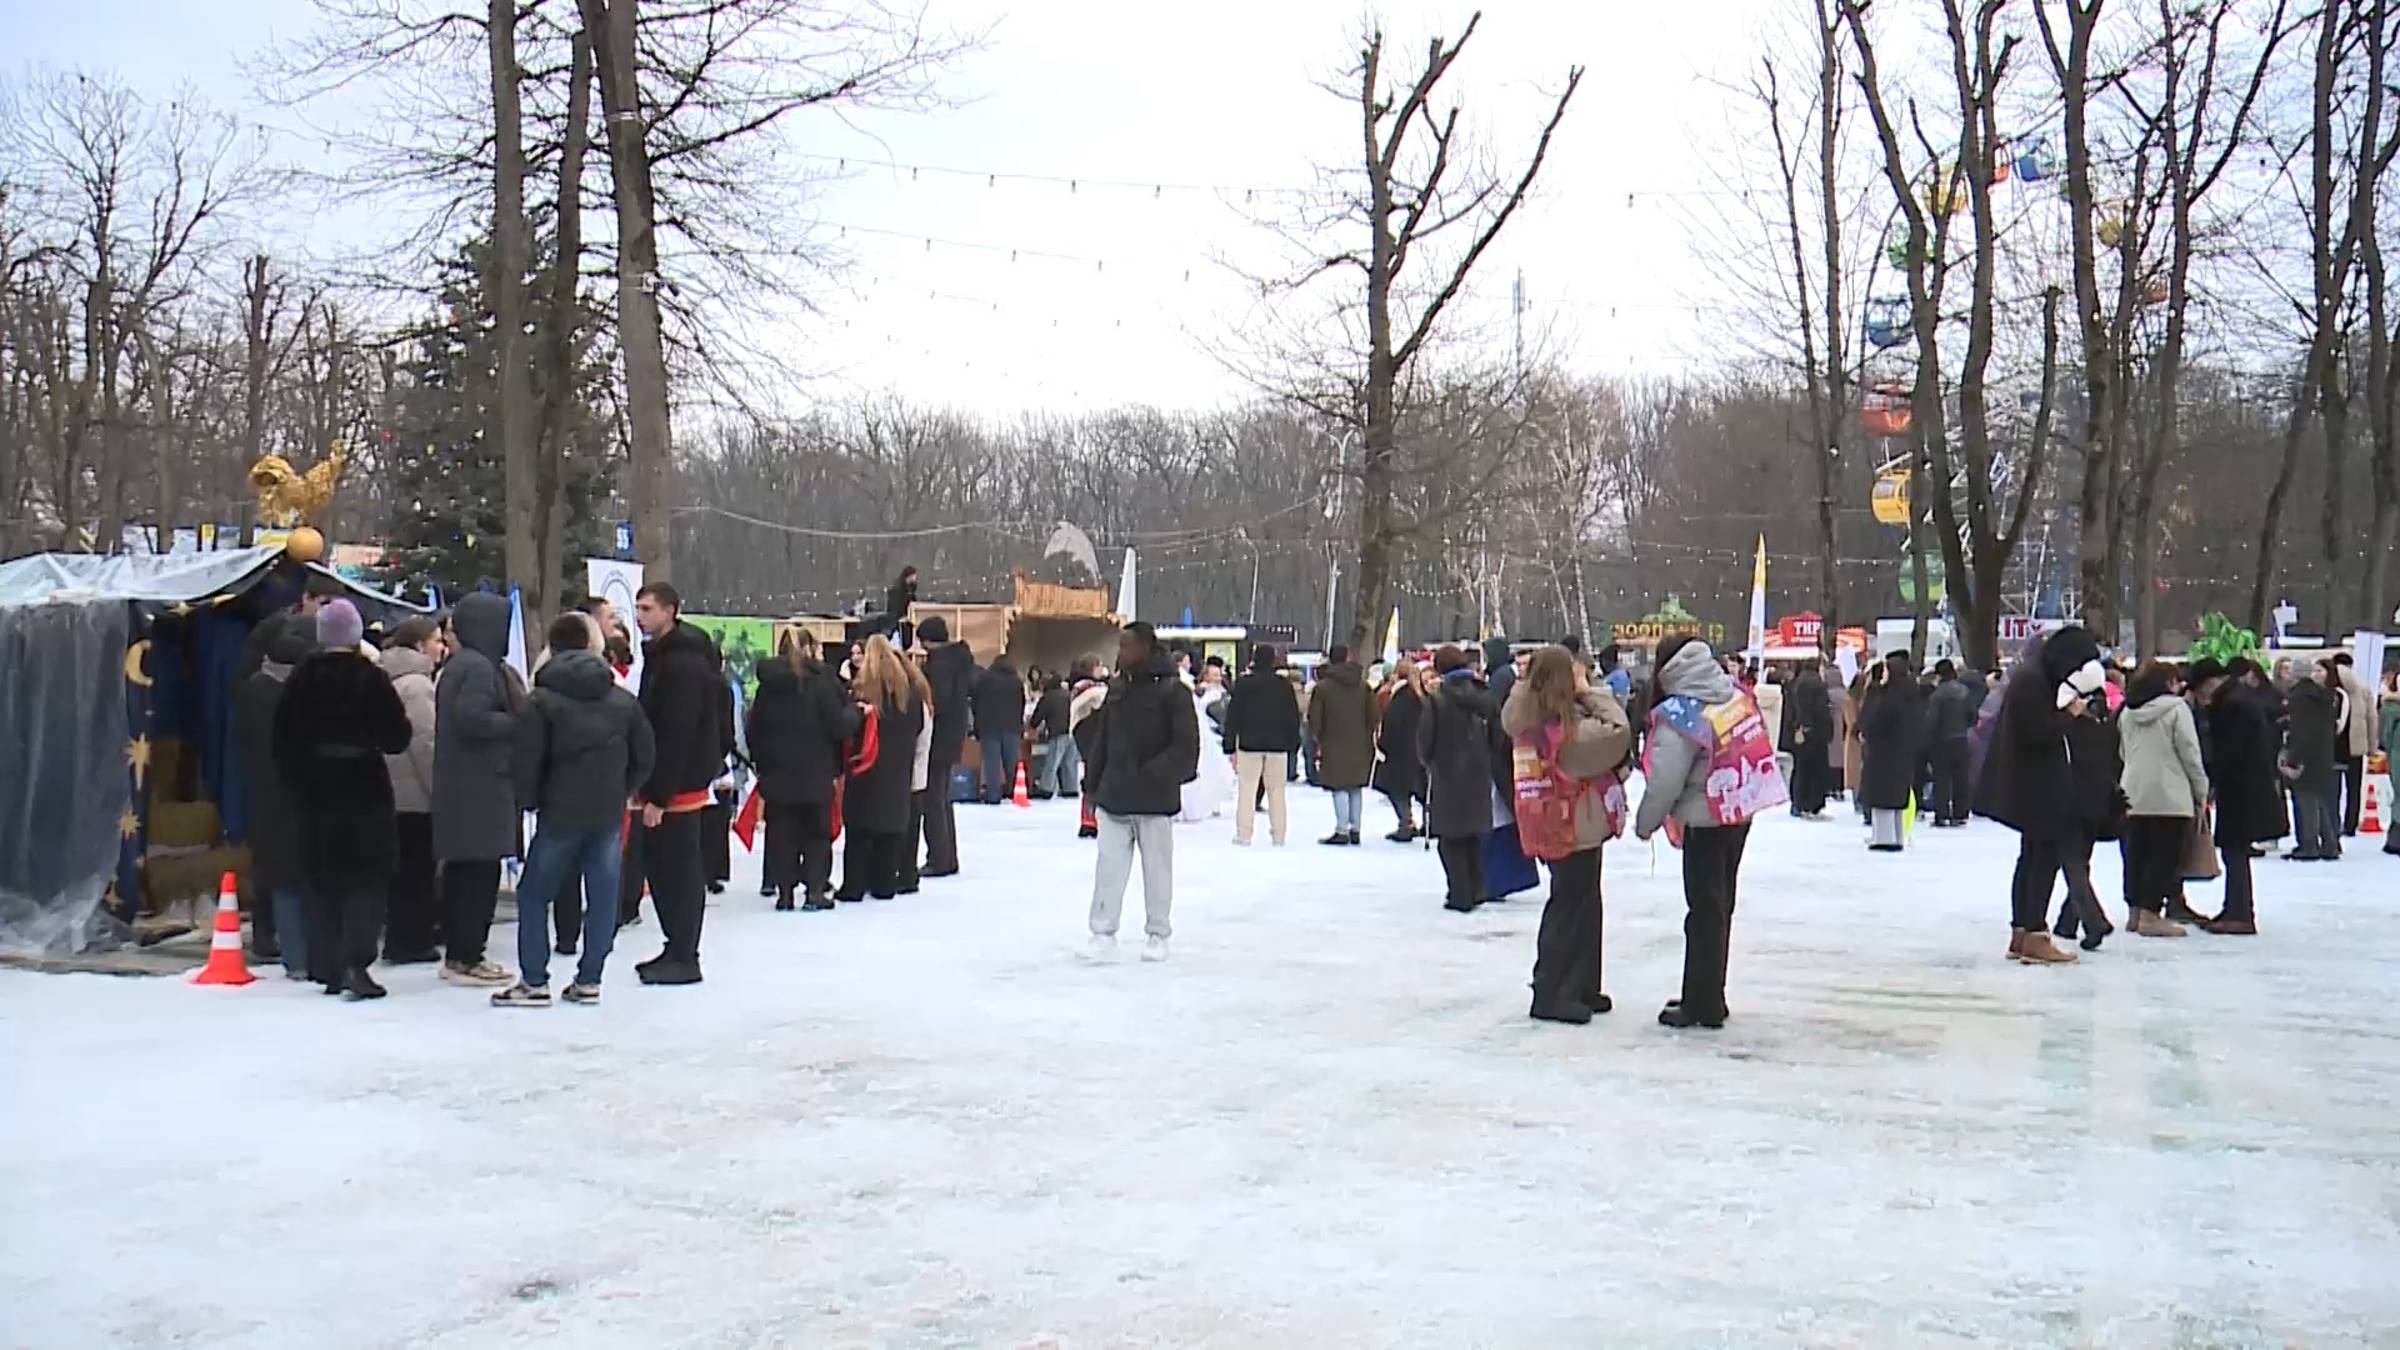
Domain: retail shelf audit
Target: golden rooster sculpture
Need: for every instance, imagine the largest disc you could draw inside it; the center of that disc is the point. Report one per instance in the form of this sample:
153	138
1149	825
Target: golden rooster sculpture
287	497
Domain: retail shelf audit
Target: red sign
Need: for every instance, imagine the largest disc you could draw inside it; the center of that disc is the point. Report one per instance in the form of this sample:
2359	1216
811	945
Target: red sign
1799	630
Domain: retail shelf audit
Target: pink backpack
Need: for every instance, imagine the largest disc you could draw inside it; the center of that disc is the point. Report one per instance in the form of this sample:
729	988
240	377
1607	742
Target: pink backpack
1548	801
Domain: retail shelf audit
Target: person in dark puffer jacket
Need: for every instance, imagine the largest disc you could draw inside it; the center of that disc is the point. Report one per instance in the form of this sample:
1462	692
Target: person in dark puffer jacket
950	673
1141	748
1457	736
583	749
285	640
797	726
1262	729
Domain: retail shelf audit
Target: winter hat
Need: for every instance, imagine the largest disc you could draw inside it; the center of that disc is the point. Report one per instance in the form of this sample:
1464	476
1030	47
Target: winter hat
934	631
1449	659
2203	670
2087	678
339	627
1262	658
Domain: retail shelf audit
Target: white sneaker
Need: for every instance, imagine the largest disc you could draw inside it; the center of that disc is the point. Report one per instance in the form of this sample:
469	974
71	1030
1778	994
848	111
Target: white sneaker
1239	842
1102	947
481	975
1155	949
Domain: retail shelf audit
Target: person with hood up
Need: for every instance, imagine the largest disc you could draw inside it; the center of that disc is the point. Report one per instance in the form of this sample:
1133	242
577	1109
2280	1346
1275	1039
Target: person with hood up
2313	758
797	726
1807	736
876	801
1892	737
583	749
1342	718
1709	769
1262	729
1141	747
1949	718
950	674
1457	739
2242	741
2165	782
413	926
1568	745
337	720
2030	785
1499	670
685	697
284	640
475	816
1000	727
1400	774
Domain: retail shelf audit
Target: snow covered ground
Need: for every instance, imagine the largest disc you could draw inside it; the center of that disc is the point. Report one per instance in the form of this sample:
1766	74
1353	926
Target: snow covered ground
1327	1122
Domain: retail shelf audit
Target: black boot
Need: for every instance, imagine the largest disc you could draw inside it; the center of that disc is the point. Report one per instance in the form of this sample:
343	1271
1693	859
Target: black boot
358	985
670	971
1680	1018
783	901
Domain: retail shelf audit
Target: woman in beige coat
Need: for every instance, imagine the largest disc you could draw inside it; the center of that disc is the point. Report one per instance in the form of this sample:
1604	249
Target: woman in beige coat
2166	787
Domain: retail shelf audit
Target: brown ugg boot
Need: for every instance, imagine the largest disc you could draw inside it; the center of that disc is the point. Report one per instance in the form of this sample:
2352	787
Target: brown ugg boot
2146	924
2016	943
2035	948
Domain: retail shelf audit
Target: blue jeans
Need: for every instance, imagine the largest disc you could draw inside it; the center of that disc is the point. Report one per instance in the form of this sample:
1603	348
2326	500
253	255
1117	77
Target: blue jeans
1000	765
1345	809
1062	768
291	928
554	856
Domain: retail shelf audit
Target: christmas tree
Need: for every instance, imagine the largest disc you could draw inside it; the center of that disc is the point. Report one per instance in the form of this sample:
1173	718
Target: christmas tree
450	474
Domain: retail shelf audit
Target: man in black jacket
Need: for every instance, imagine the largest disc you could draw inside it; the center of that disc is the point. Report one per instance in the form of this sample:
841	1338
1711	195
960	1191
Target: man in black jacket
1949	716
950	669
1000	726
583	749
896	601
1262	729
280	916
797	726
1140	749
1808	738
684	696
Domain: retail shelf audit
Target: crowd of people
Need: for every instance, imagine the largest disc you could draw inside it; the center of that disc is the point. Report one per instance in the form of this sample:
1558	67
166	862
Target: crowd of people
390	780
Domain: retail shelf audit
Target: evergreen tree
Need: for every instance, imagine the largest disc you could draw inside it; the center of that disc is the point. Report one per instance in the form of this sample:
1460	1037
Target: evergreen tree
449	493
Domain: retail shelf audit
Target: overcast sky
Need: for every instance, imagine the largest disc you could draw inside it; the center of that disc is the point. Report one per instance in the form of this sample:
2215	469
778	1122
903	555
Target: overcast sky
1222	95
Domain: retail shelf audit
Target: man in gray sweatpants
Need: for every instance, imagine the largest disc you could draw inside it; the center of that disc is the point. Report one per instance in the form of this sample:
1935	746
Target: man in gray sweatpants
1139	750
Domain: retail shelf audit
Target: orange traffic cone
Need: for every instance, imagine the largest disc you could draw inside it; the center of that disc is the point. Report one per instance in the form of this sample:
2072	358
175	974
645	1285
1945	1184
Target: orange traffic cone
225	964
1023	797
2370	816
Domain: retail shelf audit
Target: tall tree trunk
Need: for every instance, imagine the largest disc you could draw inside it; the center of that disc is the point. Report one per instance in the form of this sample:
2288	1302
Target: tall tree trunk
1838	392
561	325
511	257
163	438
611	24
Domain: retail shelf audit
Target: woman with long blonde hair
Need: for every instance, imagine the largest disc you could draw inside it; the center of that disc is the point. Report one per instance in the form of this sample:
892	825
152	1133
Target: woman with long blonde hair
876	801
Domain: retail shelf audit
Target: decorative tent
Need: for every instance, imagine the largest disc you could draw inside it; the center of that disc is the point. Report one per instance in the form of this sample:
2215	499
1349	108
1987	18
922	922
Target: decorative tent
116	745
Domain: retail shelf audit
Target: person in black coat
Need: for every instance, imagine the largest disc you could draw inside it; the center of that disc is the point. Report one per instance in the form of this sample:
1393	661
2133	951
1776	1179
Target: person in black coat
797	725
1892	732
337	719
1401	775
687	701
876	802
1949	716
2029	785
284	641
950	675
1807	736
903	593
2095	766
1000	727
1047	728
2241	746
2315	756
1139	750
1456	740
1261	733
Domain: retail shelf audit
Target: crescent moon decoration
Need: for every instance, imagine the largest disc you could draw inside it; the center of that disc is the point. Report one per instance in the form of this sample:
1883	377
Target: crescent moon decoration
137	661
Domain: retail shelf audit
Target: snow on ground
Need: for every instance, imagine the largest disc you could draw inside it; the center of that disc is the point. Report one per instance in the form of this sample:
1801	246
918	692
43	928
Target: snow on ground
1327	1122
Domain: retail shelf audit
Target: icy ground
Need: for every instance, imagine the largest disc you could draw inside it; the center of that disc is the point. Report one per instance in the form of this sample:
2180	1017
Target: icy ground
1327	1122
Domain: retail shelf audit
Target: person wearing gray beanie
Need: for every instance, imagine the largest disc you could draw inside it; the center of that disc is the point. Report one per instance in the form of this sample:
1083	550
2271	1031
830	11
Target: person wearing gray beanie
339	627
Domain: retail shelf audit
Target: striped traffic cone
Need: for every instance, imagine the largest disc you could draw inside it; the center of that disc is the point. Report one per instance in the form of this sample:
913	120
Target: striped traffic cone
1023	797
2370	817
225	964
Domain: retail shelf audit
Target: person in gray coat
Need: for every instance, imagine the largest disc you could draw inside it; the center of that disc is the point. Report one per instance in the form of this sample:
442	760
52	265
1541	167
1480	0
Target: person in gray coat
475	819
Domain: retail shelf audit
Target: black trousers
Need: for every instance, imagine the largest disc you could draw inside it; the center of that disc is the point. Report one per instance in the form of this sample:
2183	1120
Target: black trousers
1403	806
1812	780
2239	902
871	863
415	921
716	842
630	878
470	891
671	853
941	817
1462	866
1950	778
2040	859
1712	863
910	862
2354	782
345	921
258	901
800	847
2154	860
1566	953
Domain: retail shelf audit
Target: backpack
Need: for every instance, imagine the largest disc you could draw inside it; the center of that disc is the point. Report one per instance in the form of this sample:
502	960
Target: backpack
1743	779
1548	801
